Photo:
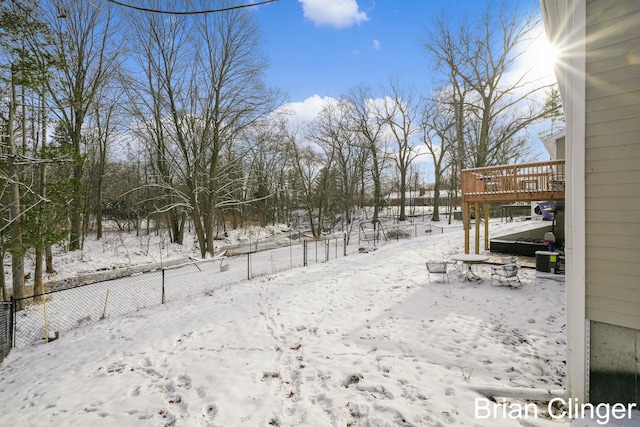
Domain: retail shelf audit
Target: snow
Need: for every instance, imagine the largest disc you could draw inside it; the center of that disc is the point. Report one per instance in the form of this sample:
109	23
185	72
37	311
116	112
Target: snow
120	249
364	340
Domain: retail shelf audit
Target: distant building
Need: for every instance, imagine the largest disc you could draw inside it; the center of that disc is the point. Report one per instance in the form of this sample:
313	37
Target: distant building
422	197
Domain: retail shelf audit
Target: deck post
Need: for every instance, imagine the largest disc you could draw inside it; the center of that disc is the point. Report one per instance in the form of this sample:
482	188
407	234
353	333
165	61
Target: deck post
486	226
476	213
466	225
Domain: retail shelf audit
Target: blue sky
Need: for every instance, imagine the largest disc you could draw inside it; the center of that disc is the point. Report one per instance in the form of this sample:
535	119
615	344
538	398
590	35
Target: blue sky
320	49
326	47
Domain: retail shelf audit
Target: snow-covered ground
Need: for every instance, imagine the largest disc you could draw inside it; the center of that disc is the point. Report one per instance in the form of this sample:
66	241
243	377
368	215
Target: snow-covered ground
120	249
364	340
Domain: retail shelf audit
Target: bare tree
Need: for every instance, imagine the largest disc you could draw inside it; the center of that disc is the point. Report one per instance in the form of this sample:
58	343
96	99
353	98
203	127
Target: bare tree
365	118
335	133
439	136
401	112
265	168
104	122
86	59
203	87
312	175
492	107
155	47
236	97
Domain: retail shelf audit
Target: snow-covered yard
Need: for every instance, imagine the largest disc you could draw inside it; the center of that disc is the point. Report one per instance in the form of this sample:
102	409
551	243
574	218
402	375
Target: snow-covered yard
364	340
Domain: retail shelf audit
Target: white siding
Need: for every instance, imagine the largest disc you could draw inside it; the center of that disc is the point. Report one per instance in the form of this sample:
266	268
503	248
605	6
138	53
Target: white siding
613	162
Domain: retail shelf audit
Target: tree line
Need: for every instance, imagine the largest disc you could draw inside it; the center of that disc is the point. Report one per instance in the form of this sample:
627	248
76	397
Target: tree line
142	118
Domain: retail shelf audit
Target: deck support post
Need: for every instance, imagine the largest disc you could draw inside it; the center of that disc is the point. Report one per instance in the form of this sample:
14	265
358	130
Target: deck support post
466	224
486	226
476	213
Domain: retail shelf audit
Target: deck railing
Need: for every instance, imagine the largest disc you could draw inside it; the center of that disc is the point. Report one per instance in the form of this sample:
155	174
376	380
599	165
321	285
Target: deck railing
521	182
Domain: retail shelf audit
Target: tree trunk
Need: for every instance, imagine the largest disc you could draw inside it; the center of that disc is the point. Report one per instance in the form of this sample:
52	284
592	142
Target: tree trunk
75	231
39	245
436	193
17	254
197	223
210	232
38	274
436	202
99	204
180	229
403	198
48	258
377	192
3	283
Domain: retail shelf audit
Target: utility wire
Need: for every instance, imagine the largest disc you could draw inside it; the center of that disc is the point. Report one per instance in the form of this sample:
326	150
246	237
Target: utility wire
189	12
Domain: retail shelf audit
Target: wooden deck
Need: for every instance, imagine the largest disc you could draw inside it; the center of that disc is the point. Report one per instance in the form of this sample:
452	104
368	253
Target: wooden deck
527	182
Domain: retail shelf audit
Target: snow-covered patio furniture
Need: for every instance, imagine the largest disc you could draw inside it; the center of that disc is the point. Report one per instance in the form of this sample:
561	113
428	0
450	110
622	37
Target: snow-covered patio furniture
507	272
457	265
468	261
437	267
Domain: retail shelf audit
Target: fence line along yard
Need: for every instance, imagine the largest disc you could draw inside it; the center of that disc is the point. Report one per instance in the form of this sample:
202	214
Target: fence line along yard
6	328
61	310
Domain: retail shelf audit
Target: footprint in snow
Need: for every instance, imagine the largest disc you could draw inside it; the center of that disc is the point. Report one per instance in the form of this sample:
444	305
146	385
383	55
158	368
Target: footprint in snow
134	391
210	411
202	392
184	381
181	342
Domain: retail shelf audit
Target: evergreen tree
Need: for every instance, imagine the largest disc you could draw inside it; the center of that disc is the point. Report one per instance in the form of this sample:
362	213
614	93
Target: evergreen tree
555	112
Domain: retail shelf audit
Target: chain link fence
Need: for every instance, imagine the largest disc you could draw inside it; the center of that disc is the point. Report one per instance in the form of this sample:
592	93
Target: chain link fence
65	309
62	310
309	251
6	328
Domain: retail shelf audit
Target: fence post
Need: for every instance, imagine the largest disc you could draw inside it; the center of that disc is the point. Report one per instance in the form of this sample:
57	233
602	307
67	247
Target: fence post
304	253
345	244
273	268
249	264
163	295
327	247
12	321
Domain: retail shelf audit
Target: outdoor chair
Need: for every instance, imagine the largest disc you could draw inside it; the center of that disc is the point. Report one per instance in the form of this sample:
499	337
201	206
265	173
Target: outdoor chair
437	267
507	272
457	265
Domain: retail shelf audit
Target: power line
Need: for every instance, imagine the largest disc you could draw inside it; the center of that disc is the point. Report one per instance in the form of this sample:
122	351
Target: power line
189	12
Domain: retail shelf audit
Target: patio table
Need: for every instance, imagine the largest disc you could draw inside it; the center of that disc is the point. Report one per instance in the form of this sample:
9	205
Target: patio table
468	260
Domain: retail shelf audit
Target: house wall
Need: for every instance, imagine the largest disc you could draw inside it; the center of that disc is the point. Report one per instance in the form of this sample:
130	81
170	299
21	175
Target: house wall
555	146
560	151
612	206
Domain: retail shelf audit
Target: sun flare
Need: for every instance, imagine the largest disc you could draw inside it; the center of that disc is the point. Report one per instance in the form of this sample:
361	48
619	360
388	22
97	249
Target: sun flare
542	55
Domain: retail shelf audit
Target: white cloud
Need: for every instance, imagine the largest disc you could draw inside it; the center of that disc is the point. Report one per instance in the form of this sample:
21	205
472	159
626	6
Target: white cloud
376	45
334	13
307	110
